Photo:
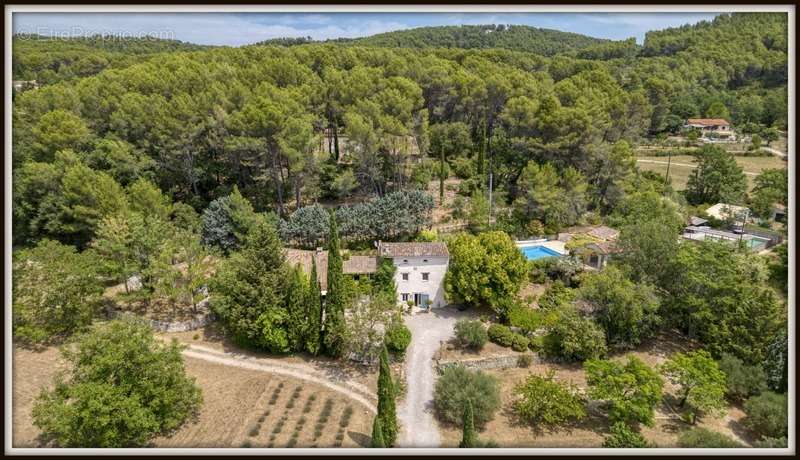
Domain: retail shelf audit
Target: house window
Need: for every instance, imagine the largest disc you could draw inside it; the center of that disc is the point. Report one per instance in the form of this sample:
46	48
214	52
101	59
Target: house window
405	276
404	296
425	276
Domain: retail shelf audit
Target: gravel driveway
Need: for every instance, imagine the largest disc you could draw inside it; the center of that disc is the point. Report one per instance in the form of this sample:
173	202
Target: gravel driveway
428	330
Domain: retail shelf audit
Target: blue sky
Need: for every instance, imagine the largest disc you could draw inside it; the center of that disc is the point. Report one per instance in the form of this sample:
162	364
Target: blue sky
243	28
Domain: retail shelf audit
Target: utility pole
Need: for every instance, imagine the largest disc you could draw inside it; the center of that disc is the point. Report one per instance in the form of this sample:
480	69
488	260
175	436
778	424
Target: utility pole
669	160
744	221
489	151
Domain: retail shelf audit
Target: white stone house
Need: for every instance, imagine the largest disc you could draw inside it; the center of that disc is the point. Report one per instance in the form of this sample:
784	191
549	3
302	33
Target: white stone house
420	271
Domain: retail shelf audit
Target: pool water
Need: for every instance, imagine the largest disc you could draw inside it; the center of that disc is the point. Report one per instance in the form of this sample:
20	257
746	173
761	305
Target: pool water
758	243
538	252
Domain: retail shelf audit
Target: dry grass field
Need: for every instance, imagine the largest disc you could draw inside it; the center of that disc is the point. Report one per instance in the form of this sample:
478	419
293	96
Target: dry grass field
682	165
33	370
507	431
244	408
241	408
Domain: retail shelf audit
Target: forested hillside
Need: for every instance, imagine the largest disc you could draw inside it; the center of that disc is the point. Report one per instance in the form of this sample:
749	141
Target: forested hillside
739	60
546	42
198	124
50	60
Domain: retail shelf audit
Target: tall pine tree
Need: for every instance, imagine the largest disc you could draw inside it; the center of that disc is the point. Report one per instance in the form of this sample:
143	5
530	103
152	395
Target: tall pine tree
469	437
248	292
386	400
335	296
313	332
377	433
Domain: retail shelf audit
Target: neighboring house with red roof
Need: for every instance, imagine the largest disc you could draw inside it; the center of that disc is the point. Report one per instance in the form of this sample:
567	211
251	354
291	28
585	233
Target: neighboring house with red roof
711	128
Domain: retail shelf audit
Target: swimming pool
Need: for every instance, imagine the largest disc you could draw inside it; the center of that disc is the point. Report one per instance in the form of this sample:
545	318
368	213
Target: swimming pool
538	252
758	243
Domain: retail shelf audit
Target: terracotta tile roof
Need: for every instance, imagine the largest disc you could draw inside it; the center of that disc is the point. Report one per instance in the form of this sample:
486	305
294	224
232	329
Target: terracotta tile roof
357	265
605	247
303	258
694	220
708	121
435	249
601	247
603	233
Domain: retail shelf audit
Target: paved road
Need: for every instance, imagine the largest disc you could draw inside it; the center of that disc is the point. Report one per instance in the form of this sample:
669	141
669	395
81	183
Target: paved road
428	330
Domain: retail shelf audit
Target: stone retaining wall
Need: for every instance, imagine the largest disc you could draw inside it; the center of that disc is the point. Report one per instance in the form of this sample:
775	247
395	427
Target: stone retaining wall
200	320
493	362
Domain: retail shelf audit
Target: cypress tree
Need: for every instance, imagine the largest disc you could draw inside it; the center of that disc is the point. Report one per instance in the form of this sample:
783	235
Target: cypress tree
469	437
334	297
386	403
313	329
296	298
377	433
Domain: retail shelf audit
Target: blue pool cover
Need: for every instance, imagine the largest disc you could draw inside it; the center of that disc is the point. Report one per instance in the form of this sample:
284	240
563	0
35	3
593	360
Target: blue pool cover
538	252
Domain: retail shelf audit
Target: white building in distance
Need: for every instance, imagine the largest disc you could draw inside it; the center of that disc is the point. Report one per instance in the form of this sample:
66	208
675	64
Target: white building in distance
420	271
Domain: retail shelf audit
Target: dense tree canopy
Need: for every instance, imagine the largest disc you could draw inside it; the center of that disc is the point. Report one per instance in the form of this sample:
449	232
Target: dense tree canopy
719	296
627	311
56	291
487	269
123	388
200	122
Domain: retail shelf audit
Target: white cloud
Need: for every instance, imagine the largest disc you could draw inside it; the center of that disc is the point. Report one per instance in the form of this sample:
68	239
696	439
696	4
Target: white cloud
241	29
216	29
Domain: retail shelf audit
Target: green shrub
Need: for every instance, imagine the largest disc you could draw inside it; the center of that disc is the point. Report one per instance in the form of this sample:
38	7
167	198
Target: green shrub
772	443
537	272
504	336
525	361
536	343
545	401
741	380
556	295
519	342
530	320
458	384
704	438
398	337
622	436
426	235
500	335
767	414
471	334
575	338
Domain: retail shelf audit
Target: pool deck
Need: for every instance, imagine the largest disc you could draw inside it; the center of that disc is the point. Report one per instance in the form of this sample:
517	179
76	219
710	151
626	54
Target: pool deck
553	245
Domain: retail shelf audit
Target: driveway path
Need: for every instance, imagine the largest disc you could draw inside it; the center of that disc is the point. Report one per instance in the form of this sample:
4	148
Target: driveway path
774	151
348	388
428	330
